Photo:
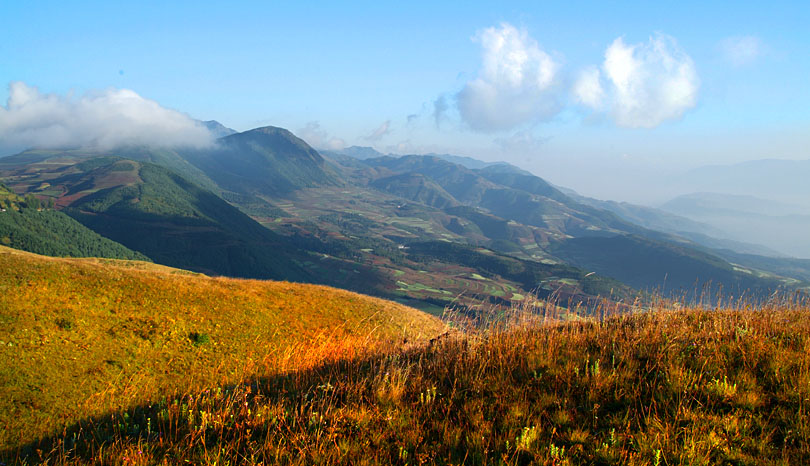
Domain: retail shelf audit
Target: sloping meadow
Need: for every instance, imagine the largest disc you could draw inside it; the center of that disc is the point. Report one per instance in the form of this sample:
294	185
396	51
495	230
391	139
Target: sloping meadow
88	337
664	386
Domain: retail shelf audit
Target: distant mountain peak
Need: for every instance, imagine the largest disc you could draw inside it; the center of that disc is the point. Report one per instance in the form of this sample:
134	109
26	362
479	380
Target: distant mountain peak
365	153
271	130
264	160
280	141
217	129
361	152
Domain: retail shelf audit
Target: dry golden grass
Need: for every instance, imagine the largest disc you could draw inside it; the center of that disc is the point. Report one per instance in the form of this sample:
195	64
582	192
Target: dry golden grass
669	385
84	337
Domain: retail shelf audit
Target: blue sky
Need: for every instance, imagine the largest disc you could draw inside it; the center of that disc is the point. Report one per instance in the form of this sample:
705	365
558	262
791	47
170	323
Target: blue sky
371	73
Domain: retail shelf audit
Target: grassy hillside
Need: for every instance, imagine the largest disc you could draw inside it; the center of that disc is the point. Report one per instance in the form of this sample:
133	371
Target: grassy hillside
663	387
165	157
514	196
180	224
46	231
544	279
521	214
173	221
164	216
365	233
263	161
383	232
7	197
156	212
417	188
646	263
84	337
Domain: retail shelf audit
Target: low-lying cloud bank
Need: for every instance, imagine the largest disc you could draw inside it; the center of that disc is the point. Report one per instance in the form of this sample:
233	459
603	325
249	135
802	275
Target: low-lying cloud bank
103	119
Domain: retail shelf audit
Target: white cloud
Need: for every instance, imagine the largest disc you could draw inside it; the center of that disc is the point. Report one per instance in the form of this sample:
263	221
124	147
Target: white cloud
647	83
101	119
515	85
587	88
381	131
741	50
318	138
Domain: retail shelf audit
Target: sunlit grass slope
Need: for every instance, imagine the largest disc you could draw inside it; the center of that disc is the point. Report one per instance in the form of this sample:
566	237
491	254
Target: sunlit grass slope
84	337
665	387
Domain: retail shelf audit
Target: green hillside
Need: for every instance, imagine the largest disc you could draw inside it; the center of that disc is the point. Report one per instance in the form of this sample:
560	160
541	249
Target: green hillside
177	223
416	187
55	234
8	198
679	269
83	337
520	213
264	161
46	231
544	280
360	218
165	157
156	212
523	198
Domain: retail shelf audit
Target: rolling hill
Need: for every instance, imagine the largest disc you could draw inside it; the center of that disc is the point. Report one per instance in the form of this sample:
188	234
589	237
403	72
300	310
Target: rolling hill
416	187
353	223
676	269
160	214
25	168
519	197
154	211
179	224
673	385
515	210
134	358
84	337
50	232
263	161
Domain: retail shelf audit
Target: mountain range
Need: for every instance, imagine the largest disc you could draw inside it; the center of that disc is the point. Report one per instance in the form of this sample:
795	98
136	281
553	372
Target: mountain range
779	226
780	180
427	230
